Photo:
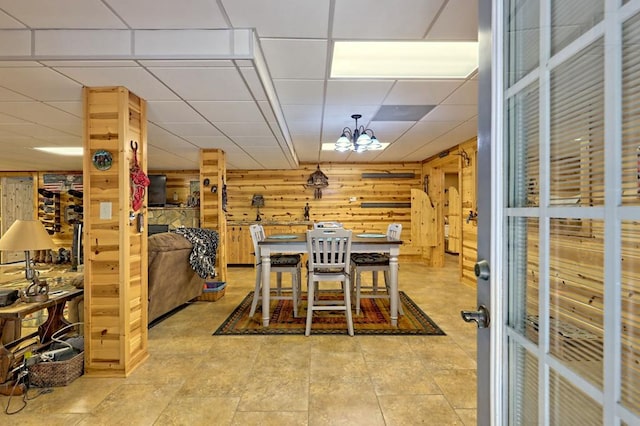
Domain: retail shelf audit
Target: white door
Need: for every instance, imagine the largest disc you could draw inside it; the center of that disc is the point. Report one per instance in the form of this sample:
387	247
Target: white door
565	212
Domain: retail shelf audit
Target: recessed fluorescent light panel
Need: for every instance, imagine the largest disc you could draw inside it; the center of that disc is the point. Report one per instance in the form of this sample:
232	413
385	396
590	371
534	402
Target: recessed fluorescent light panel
62	150
393	59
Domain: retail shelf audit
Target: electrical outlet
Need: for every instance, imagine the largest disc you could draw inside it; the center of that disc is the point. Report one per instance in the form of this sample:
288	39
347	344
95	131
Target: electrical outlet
352	199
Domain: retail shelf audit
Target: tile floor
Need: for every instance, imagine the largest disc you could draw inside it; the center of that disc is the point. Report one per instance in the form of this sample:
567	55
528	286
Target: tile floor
194	378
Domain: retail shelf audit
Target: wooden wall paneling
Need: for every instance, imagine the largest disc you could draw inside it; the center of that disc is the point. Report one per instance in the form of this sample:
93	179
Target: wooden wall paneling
212	215
468	201
286	194
455	225
116	301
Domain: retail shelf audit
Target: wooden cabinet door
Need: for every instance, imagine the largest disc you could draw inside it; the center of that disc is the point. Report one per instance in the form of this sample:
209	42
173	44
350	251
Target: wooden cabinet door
16	203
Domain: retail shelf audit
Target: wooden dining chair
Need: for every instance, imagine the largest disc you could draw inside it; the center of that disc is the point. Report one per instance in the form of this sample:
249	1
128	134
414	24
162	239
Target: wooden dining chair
374	263
329	254
280	263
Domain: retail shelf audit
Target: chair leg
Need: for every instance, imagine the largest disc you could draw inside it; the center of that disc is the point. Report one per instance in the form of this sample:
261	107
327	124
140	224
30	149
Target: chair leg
387	280
347	306
358	290
256	291
279	280
310	295
374	278
294	292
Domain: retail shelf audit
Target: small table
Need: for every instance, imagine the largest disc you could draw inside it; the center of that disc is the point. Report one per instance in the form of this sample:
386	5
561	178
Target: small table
297	243
19	310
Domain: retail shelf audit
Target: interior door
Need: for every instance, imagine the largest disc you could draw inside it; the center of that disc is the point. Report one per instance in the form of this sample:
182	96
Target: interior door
559	219
16	203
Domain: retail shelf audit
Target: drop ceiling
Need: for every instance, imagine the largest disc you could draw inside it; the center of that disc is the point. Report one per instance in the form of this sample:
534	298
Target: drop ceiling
250	77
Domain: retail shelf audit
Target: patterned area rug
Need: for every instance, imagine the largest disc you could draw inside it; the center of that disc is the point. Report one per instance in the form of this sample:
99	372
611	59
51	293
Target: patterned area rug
373	319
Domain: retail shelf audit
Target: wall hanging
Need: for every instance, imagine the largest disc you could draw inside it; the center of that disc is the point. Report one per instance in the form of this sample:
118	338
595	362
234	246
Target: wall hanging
317	180
139	180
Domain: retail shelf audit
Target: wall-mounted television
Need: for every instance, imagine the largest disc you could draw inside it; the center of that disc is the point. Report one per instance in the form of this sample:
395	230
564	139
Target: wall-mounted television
157	191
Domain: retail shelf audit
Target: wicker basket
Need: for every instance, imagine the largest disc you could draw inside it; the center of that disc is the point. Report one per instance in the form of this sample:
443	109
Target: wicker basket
212	291
56	373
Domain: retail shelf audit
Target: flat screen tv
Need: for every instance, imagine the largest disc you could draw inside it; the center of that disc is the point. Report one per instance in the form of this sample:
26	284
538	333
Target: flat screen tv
157	191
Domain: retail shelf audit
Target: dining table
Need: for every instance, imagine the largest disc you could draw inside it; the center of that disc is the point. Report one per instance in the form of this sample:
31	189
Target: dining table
360	243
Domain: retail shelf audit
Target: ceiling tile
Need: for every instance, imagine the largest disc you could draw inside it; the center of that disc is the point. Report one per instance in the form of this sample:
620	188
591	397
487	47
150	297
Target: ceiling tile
76	14
229	111
452	113
172	111
37	112
360	92
8	95
137	80
305	113
188	130
467	94
295	59
421	92
383	19
280	18
7	22
154	14
41	84
249	143
244	129
458	21
299	92
221	142
205	84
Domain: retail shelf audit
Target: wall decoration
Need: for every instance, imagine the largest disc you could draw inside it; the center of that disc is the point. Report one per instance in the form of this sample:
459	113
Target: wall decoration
317	180
102	159
139	180
57	182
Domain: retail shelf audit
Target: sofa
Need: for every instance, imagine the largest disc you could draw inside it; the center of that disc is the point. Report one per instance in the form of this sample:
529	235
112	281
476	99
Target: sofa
172	280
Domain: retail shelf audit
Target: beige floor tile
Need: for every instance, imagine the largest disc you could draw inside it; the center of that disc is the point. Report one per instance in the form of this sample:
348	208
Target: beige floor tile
468	416
458	386
132	405
218	381
287	391
198	411
344	403
270	418
418	410
81	396
402	377
328	367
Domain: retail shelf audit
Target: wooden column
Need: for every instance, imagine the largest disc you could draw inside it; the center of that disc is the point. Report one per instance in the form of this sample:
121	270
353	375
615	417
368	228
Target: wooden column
115	248
212	215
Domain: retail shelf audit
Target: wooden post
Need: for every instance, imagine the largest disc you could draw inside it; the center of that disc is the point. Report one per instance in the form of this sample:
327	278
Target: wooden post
115	247
213	170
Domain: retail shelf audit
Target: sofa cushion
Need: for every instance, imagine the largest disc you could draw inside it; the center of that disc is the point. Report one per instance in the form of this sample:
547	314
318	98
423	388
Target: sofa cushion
167	241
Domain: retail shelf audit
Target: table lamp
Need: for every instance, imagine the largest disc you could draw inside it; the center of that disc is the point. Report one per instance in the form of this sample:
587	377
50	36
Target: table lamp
26	235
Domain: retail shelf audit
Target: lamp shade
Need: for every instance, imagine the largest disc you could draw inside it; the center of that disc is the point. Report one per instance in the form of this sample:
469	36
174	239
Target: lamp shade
26	235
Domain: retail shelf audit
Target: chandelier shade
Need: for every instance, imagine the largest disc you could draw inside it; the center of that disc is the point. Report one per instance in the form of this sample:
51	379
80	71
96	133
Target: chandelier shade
360	139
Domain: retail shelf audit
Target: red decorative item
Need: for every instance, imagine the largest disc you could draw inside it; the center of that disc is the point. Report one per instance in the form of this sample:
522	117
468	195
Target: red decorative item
139	180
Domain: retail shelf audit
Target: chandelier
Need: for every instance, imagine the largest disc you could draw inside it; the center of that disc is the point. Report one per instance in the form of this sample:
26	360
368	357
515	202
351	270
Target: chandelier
359	139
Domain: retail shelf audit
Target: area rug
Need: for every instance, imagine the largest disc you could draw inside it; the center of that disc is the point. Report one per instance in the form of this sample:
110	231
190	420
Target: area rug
373	319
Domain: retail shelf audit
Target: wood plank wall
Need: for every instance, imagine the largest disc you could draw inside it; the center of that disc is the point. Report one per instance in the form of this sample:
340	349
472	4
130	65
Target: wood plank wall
116	302
212	215
435	168
286	195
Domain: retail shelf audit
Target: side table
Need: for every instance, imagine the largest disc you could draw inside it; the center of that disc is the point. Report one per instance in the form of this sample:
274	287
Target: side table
17	312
